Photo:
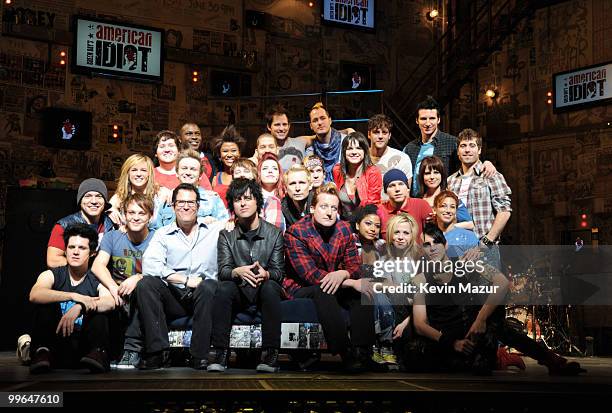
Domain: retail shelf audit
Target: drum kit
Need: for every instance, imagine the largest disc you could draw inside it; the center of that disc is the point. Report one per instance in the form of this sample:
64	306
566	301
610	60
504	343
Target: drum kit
531	310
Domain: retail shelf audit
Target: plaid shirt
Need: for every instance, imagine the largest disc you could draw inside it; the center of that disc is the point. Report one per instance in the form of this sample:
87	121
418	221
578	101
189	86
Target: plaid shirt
273	212
309	259
445	148
486	197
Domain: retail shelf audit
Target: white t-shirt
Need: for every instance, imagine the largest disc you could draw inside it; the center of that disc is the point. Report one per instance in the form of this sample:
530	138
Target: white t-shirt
394	159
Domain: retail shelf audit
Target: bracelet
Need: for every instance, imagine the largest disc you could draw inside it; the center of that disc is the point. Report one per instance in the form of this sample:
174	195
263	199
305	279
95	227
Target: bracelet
486	241
83	308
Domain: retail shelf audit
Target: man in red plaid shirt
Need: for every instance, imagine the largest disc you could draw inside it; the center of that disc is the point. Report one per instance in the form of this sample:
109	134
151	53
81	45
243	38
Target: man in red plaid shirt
487	199
323	264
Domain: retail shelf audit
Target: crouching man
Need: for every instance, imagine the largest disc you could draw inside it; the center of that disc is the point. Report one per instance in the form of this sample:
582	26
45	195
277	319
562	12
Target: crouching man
71	326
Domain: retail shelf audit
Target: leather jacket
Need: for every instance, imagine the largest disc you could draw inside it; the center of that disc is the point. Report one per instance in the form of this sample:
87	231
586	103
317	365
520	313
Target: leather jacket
267	247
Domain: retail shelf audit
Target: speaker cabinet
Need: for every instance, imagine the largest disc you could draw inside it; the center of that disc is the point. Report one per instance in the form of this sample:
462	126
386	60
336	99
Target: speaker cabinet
30	216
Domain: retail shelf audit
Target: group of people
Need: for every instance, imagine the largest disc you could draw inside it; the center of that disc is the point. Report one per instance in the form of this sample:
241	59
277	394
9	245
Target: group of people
205	235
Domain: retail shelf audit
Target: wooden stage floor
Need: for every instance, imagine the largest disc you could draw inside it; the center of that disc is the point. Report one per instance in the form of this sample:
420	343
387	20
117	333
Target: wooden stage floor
184	389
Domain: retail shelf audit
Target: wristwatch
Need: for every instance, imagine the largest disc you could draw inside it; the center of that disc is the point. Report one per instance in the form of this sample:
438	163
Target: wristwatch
486	241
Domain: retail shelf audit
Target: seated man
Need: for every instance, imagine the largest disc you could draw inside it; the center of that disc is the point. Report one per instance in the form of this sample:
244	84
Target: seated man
298	184
251	265
453	331
180	280
70	321
323	264
91	198
395	184
119	267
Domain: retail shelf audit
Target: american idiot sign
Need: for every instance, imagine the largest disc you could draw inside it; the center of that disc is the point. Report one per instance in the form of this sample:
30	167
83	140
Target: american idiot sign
110	48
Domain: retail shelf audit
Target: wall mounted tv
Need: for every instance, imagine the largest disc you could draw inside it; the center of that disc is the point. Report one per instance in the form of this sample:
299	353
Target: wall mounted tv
66	129
117	49
350	13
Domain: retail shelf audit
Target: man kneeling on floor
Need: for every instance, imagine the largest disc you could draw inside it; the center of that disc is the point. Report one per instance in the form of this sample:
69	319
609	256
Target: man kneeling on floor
180	280
71	322
251	264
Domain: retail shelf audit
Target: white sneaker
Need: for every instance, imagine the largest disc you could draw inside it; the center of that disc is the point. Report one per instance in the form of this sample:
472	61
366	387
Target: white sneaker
23	348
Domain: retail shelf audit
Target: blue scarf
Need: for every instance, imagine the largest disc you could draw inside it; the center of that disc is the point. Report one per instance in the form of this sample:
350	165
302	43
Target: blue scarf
329	154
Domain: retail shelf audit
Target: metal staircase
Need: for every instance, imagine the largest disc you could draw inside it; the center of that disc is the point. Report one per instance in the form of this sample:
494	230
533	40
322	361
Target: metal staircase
451	62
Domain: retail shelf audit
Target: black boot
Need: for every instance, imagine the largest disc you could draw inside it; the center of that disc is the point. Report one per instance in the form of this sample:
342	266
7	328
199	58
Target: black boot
269	361
96	361
219	362
154	361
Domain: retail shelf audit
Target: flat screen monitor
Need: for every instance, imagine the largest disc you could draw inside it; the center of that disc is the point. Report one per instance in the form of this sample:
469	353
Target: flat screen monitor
66	128
358	14
117	49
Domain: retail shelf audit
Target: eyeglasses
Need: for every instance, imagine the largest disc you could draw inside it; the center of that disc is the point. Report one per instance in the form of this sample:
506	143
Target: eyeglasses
429	244
182	204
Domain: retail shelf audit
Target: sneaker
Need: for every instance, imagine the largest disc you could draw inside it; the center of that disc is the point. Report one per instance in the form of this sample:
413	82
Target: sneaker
219	362
41	362
23	348
377	357
154	361
129	360
269	361
96	361
387	356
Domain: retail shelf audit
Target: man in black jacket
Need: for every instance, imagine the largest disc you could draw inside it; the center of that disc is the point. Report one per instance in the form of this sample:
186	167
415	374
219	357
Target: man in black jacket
251	263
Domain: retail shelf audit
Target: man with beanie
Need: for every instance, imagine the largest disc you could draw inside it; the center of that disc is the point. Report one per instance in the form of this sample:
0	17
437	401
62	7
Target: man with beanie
92	197
395	185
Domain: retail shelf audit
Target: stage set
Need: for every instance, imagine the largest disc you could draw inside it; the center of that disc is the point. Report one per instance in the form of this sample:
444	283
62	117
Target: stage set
327	390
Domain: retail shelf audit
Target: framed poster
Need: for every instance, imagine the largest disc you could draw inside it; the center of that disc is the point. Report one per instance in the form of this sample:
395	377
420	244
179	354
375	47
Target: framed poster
580	88
116	49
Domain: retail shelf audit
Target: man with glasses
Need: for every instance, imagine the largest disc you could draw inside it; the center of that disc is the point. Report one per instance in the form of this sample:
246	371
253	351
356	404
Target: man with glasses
91	198
251	270
180	279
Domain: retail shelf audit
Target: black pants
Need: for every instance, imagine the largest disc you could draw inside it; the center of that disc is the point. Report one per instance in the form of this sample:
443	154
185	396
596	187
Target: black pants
525	344
125	329
157	305
231	299
329	310
67	351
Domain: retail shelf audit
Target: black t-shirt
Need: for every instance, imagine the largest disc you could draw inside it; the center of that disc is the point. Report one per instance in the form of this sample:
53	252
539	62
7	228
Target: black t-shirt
88	287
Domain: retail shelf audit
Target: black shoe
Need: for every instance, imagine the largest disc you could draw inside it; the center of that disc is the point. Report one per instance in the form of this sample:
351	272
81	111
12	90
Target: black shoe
154	361
359	360
307	361
269	361
96	361
569	368
219	362
198	363
41	361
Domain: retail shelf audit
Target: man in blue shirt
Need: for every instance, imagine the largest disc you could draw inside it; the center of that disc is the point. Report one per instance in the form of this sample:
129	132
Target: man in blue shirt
118	266
180	280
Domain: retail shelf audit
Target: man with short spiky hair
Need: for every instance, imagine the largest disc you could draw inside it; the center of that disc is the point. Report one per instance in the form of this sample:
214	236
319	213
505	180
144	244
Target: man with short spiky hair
251	269
71	326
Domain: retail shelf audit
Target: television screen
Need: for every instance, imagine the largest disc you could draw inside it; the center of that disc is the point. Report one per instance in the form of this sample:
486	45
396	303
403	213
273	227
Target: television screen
66	128
229	84
116	49
350	13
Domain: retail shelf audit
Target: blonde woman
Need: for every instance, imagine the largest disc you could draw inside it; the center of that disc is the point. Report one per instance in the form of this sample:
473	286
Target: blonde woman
401	246
136	176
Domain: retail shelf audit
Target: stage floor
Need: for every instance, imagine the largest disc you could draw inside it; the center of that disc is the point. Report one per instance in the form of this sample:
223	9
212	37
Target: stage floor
184	388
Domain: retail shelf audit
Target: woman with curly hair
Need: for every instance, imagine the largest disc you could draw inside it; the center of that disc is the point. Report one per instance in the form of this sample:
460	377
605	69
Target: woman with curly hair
227	147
